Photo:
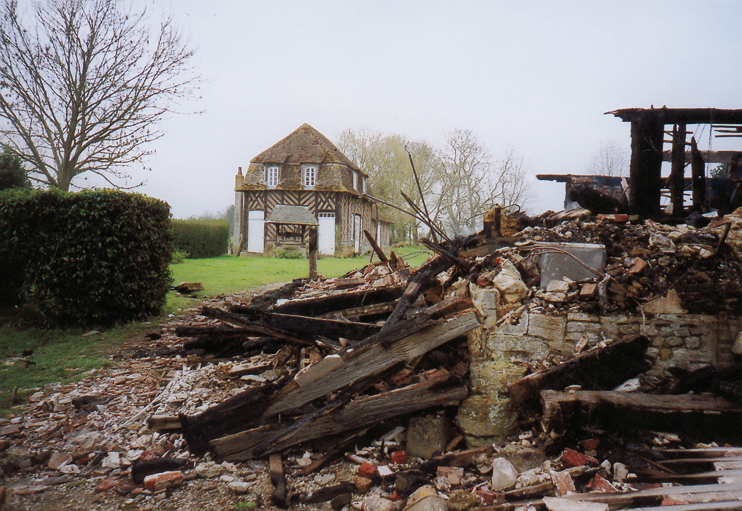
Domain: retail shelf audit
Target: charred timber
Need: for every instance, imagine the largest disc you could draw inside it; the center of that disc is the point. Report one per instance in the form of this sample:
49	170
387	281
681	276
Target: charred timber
600	368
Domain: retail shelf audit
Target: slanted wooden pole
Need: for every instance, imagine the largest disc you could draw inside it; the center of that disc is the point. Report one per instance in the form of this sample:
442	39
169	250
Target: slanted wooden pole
699	176
677	172
312	245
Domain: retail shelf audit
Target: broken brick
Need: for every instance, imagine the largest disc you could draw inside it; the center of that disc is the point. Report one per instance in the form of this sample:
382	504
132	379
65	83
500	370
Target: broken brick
488	497
590	444
367	470
107	484
563	482
399	457
638	266
163	480
572	458
600	484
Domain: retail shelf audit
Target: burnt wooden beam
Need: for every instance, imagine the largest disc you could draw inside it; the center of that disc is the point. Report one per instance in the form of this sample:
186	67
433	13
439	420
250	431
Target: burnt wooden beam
256	327
704	414
647	134
600	368
335	302
358	413
307	326
347	368
380	253
677	173
698	170
681	115
336	371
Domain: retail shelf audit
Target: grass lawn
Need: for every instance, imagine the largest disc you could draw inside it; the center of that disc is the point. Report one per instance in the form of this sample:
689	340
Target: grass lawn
65	355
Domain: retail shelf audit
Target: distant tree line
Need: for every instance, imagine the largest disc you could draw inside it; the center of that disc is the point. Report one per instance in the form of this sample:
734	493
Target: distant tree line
457	182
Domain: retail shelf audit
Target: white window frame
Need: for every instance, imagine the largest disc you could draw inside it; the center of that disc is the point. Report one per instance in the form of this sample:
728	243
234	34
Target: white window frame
355	180
309	175
272	175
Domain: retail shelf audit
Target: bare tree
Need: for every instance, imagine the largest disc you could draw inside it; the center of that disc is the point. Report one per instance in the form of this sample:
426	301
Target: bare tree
461	196
509	187
610	160
84	83
386	159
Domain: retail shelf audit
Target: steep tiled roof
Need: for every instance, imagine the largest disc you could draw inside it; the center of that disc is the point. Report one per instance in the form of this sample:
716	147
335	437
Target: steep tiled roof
305	145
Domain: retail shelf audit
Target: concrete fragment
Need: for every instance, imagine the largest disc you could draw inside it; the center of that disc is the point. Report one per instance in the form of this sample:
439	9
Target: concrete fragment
378	503
554	266
239	486
427	436
504	474
429	504
670	304
362	484
420	494
509	283
461	500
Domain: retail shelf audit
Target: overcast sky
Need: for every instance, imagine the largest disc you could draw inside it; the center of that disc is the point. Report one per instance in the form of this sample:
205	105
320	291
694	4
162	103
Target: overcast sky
536	76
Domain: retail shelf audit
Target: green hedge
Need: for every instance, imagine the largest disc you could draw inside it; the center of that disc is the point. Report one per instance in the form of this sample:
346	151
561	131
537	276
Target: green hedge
96	257
201	238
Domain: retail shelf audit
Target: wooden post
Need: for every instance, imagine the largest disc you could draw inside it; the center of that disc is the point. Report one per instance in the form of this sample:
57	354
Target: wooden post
699	176
677	174
313	248
647	133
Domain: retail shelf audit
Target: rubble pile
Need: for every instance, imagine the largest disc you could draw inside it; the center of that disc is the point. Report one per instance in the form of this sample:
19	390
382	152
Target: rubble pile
343	393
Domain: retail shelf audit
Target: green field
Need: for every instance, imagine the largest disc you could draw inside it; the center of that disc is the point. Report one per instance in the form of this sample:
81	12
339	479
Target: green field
64	355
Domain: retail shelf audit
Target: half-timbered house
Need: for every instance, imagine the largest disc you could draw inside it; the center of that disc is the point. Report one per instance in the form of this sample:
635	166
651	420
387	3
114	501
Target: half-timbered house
306	169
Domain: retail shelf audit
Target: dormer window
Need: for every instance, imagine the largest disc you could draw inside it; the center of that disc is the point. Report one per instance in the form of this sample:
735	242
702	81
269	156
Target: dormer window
309	175
271	175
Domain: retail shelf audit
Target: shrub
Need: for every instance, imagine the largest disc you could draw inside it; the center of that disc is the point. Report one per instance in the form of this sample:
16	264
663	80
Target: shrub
91	258
201	238
289	253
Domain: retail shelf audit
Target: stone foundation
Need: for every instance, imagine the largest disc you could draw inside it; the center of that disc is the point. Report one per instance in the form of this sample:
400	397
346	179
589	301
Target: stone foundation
683	340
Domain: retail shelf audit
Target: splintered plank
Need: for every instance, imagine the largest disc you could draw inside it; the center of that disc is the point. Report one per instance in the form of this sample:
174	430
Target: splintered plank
356	414
336	371
598	369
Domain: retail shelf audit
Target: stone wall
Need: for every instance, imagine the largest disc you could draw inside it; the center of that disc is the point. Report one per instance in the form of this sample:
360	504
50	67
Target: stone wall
684	340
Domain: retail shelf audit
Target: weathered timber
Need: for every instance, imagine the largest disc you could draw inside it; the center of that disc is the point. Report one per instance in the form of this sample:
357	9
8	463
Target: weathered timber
334	302
368	311
163	423
249	368
356	414
454	459
257	406
234	414
464	265
266	300
349	282
596	201
677	173
329	374
704	414
307	326
257	327
331	451
415	286
211	331
327	493
275	467
698	175
379	253
601	368
652	495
